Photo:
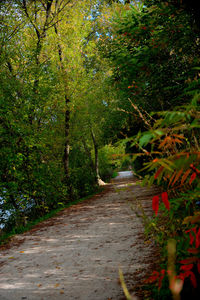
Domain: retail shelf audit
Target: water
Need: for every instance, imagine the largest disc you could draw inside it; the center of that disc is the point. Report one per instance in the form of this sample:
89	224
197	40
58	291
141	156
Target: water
124	174
5	215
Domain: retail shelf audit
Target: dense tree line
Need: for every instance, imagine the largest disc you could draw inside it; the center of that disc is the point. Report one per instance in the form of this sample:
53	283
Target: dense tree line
55	100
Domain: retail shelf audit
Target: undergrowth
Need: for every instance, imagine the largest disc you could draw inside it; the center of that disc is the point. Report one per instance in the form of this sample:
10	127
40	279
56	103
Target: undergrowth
6	236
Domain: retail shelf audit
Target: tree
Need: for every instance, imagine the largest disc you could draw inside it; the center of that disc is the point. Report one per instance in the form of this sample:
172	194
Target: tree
146	46
42	64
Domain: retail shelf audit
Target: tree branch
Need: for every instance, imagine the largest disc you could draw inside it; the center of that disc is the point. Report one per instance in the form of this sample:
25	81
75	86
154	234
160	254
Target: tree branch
24	7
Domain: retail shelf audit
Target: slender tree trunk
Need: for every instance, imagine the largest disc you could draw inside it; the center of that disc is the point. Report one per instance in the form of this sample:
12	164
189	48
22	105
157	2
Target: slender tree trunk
66	147
96	160
67	120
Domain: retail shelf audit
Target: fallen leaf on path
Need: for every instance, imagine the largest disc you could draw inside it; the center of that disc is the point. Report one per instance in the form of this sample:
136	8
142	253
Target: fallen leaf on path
147	242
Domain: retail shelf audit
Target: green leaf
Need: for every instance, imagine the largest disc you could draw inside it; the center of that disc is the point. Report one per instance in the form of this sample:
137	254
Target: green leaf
145	139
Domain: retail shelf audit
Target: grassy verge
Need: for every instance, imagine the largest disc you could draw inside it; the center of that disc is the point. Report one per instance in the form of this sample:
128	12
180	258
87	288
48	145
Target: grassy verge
115	174
5	237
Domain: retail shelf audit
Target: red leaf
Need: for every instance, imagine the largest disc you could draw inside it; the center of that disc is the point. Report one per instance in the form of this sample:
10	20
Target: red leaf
172	178
165	199
185	175
193	279
191	239
192	178
158	172
155	204
190	234
197	244
160	281
193	251
194	229
188	260
198	267
195	169
155	275
177	176
182	276
186	267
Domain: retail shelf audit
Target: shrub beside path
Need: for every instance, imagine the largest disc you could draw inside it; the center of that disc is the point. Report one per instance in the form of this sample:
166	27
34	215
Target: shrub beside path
77	254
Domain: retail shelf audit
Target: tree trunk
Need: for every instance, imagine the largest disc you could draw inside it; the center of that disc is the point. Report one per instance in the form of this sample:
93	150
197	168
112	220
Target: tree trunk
67	119
66	145
96	160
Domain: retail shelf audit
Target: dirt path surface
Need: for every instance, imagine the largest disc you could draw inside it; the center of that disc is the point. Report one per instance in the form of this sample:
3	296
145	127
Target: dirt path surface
77	254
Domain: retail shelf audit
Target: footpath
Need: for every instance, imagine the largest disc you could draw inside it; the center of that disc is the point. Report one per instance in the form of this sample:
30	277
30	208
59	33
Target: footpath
78	253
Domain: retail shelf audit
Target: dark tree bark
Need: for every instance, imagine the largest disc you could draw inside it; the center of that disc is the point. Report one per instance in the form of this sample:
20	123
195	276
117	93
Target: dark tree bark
67	140
67	120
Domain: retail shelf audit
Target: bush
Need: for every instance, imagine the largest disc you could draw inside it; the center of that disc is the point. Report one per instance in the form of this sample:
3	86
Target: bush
110	159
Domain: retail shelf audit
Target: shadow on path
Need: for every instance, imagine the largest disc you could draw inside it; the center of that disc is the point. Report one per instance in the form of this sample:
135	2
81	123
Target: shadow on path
77	254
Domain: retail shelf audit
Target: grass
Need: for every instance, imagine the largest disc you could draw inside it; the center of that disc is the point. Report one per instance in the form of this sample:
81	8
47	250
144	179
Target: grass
115	174
5	237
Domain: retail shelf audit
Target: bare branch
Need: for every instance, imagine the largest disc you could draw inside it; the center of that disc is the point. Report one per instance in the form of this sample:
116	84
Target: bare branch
16	29
24	7
65	4
127	112
48	12
53	24
140	114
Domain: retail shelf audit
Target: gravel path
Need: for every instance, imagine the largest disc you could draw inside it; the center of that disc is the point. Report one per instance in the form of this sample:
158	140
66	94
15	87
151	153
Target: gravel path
77	254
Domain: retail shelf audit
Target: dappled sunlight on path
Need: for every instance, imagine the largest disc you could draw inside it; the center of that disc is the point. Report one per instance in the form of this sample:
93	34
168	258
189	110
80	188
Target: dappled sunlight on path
77	254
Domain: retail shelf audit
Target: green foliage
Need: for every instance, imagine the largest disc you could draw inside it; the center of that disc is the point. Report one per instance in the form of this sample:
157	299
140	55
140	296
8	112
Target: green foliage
153	62
174	164
34	84
110	159
155	68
